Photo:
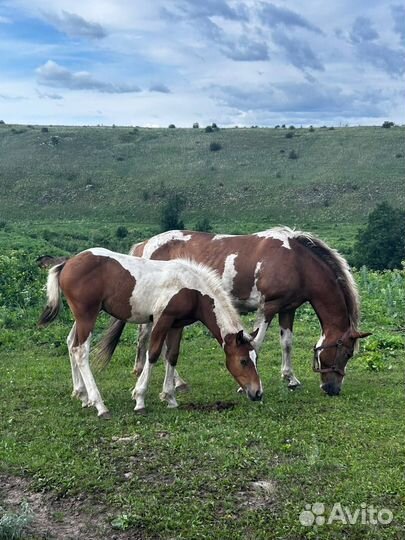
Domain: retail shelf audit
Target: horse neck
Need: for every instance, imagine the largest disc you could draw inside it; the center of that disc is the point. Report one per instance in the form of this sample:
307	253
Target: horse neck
329	303
211	313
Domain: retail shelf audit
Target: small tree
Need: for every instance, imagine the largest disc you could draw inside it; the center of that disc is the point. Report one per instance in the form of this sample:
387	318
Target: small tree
121	232
208	129
196	125
381	245
203	225
172	126
170	213
387	124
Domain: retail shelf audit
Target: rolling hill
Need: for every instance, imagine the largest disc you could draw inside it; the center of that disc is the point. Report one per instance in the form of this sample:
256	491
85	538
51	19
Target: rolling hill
116	174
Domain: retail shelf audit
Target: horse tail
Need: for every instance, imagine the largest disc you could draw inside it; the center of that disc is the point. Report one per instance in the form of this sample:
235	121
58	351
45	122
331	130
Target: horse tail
53	305
105	349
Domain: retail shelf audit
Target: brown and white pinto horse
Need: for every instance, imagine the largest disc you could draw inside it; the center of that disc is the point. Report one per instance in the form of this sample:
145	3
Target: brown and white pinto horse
167	294
274	272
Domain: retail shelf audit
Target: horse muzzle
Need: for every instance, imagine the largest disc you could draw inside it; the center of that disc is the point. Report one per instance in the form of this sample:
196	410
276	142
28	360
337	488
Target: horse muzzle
331	389
255	396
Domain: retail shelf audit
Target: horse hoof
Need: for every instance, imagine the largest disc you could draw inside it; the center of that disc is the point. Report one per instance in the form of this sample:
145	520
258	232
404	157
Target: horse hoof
183	388
105	415
141	412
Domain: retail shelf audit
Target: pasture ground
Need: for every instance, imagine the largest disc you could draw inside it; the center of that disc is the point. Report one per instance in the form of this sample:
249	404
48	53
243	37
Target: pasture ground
219	466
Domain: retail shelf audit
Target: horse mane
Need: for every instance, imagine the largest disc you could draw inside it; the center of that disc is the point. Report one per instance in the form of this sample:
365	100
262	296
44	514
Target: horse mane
339	266
213	283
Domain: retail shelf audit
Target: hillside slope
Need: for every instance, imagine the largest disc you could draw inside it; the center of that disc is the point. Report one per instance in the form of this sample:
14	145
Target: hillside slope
113	174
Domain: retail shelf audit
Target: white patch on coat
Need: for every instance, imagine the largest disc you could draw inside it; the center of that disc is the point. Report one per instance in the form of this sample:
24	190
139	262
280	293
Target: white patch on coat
278	233
255	296
318	344
161	239
222	236
158	281
253	357
229	272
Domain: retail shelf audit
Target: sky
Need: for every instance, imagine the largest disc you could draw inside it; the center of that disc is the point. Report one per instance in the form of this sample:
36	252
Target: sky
158	62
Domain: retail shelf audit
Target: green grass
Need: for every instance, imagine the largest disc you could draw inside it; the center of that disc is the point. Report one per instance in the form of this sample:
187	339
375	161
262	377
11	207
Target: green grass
189	473
111	174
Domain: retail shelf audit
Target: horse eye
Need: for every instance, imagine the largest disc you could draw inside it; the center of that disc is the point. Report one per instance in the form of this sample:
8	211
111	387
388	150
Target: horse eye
244	362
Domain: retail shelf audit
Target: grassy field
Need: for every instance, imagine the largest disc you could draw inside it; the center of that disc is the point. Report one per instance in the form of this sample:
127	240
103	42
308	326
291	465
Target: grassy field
219	466
125	174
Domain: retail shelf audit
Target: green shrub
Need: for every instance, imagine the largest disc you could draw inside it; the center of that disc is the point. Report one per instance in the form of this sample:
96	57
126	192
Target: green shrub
44	130
215	146
208	129
388	124
171	211
121	232
12	525
172	126
203	225
292	155
289	135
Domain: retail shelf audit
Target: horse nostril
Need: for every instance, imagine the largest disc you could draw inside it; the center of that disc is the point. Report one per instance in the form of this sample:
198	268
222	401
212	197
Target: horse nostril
259	395
331	389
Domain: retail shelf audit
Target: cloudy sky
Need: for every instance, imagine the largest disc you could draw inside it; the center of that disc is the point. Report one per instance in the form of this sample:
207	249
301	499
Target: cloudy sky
156	62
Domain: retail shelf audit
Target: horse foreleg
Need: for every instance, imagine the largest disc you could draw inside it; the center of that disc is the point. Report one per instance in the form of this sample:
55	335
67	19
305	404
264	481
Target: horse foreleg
286	321
157	339
172	346
79	389
143	344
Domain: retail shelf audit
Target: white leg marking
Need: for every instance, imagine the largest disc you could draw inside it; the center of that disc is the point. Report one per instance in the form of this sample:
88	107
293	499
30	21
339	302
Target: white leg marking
81	356
142	385
286	339
167	393
79	389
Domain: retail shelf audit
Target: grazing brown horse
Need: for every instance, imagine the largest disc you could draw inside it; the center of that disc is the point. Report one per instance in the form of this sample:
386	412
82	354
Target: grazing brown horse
274	272
167	294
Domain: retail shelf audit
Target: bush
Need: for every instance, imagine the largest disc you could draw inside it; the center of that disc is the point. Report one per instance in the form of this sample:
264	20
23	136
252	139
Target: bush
2	122
172	126
170	213
289	135
388	124
214	126
121	232
44	130
381	245
13	524
311	129
203	225
54	140
293	155
291	127
214	147
208	129
196	125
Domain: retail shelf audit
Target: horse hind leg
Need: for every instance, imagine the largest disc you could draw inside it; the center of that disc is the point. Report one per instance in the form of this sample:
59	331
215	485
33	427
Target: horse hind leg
171	355
80	351
286	321
79	388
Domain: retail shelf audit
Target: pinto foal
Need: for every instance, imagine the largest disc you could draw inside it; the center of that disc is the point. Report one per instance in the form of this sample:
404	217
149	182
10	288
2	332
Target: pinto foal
167	294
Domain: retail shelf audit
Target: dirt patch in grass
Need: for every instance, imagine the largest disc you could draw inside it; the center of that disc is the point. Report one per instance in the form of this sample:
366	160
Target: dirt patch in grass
60	518
218	406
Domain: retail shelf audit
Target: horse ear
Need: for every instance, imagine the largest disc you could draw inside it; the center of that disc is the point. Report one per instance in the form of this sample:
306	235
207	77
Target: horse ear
359	335
240	338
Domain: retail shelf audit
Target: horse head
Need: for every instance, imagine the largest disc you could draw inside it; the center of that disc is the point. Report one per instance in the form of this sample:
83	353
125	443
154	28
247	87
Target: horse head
331	356
241	361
